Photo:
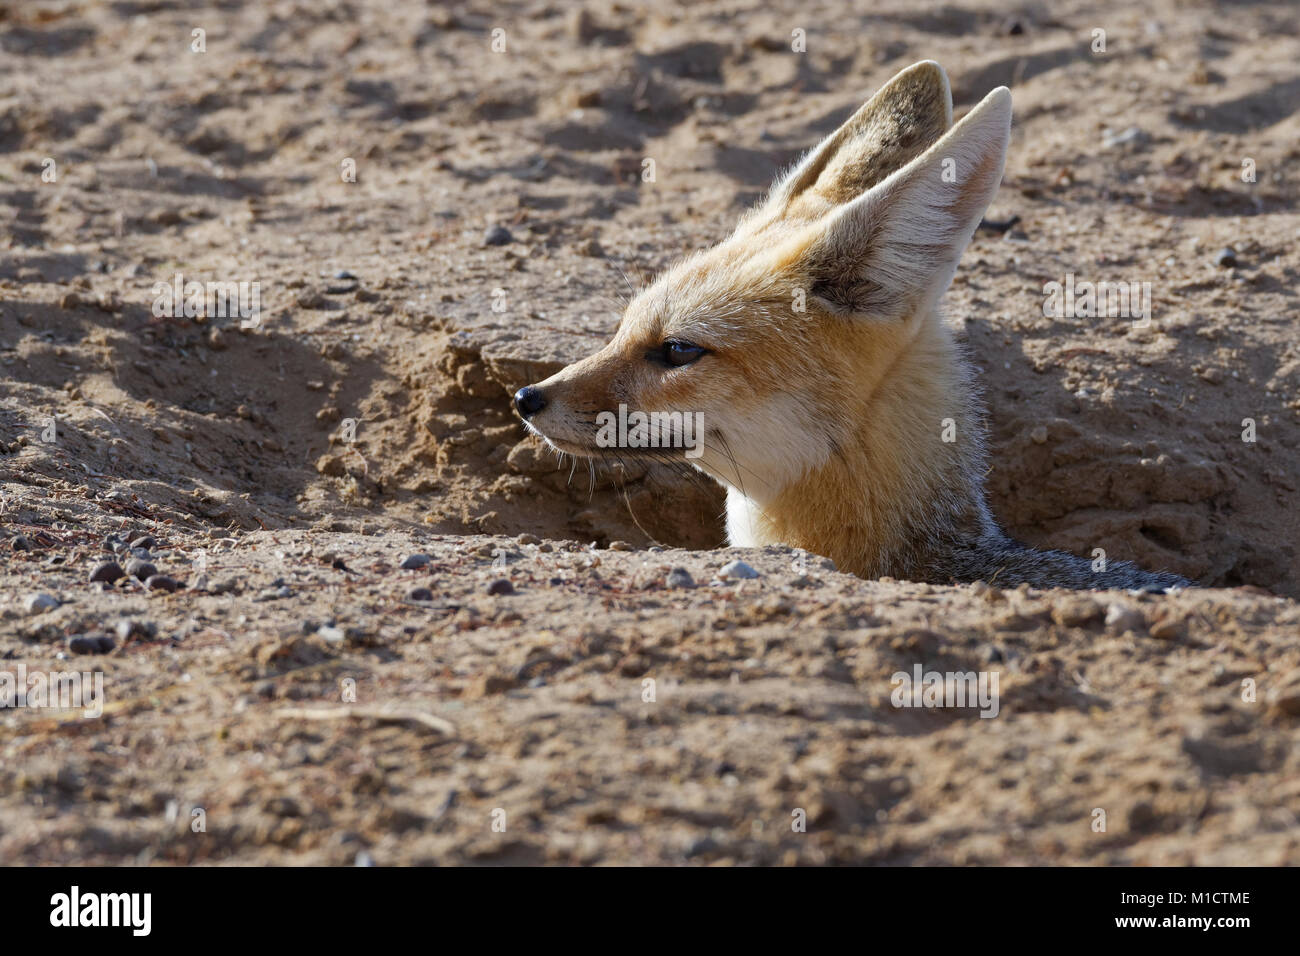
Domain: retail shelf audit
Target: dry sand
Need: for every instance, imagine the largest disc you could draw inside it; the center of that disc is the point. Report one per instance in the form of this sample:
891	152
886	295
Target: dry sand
1175	715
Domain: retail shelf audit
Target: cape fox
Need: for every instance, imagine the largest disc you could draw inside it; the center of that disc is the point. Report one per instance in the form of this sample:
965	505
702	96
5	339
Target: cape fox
810	347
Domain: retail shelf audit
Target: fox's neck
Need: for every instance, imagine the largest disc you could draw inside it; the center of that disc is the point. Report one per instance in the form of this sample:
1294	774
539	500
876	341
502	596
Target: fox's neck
906	482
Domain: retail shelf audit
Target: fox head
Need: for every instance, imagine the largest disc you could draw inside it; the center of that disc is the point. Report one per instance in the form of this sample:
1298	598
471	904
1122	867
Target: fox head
763	356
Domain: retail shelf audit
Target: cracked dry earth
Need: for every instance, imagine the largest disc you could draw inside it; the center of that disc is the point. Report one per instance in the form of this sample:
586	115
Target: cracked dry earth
316	702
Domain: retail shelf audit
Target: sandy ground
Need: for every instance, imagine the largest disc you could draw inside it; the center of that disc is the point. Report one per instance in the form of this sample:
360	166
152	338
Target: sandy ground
314	706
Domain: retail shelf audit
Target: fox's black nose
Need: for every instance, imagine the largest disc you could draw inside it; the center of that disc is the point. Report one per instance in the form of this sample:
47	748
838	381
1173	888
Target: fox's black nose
529	401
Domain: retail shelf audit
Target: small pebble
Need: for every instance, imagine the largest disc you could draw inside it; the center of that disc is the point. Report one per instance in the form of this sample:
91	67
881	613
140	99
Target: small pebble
501	586
1226	258
145	541
414	562
128	628
497	235
311	299
91	644
679	578
161	582
737	569
21	543
620	546
1076	612
109	571
1130	135
140	570
419	594
701	845
331	634
39	603
1120	619
1168	629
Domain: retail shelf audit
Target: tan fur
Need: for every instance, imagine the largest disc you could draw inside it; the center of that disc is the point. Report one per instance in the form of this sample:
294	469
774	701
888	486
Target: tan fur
825	424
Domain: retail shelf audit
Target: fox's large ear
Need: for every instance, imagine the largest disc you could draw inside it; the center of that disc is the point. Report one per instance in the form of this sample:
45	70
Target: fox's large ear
905	117
893	251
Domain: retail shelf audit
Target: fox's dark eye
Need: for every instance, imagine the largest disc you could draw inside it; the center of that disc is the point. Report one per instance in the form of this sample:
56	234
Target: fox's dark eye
677	352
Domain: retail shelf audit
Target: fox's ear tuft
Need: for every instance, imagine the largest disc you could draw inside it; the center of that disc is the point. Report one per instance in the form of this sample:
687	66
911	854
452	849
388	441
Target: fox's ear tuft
893	251
905	117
